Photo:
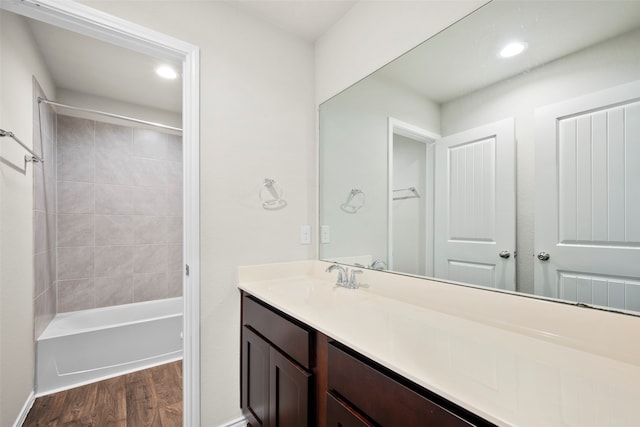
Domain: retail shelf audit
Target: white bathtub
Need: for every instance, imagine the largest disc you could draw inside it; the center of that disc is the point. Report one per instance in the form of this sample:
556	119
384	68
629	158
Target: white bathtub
85	346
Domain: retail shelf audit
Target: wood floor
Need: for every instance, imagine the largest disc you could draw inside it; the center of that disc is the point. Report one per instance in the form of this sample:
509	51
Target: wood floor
149	398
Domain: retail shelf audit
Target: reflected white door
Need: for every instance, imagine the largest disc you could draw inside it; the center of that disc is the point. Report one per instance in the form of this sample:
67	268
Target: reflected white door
588	199
475	217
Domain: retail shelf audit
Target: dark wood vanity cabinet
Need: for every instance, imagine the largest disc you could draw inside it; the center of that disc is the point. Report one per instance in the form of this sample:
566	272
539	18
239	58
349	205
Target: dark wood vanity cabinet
293	376
276	374
340	414
369	394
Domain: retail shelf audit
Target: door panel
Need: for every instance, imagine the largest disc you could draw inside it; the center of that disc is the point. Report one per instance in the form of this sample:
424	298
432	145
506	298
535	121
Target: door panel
475	199
290	388
599	290
587	198
469	272
255	378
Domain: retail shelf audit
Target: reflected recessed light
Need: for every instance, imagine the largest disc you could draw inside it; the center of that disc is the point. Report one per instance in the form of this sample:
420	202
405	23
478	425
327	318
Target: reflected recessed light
166	72
512	49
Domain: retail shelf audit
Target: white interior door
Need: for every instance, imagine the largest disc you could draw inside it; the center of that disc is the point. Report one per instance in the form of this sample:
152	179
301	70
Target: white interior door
588	199
475	218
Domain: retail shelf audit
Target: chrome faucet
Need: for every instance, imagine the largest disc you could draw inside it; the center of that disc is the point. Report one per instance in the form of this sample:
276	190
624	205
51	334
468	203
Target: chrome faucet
378	265
345	279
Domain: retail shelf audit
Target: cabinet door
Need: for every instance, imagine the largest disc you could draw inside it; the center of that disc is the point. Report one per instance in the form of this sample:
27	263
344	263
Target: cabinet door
255	379
290	391
341	415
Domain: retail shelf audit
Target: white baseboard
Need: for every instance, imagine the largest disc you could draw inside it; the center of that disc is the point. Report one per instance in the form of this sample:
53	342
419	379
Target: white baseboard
238	422
22	416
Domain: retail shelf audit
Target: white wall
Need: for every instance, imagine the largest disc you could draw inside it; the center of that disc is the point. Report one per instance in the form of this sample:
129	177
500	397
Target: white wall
20	61
410	215
257	121
605	65
373	33
353	154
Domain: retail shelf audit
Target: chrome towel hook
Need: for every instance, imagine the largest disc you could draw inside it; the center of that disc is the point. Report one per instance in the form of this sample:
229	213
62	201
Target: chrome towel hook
271	195
355	201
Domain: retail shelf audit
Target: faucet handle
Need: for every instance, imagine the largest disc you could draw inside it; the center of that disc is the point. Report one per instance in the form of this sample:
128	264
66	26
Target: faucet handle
353	281
343	274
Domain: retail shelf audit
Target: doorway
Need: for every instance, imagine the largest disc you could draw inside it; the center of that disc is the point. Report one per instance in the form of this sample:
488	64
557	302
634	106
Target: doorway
410	198
92	23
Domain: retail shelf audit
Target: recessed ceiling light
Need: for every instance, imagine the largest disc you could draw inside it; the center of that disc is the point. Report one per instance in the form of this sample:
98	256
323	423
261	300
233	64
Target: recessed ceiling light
512	49
166	72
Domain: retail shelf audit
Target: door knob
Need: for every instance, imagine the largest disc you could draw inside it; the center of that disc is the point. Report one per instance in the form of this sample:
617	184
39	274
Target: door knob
543	256
505	254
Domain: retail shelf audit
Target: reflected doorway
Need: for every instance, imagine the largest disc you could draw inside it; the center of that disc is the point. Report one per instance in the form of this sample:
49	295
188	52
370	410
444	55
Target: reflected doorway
410	203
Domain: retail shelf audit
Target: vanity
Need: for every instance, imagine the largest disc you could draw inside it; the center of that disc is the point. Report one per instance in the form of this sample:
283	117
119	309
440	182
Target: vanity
398	351
294	375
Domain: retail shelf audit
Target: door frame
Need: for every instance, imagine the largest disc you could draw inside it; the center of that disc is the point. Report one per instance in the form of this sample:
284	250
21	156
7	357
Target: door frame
398	127
94	23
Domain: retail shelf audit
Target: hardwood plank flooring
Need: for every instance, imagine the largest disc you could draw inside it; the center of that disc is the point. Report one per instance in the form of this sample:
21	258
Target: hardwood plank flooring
148	398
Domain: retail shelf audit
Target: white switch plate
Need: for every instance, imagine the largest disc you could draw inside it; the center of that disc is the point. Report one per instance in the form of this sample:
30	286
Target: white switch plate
305	234
325	234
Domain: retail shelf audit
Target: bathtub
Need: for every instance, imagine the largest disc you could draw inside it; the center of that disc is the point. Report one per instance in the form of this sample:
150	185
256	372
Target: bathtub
86	346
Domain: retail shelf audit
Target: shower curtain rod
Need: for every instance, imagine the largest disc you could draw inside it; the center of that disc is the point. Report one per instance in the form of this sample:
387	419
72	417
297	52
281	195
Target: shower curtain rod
115	116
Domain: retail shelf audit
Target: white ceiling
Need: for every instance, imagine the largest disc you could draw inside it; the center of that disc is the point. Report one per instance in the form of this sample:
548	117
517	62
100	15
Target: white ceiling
86	65
308	19
93	67
464	58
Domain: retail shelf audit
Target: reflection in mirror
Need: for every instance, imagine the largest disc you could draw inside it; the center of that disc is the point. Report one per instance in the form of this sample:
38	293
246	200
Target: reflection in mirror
523	168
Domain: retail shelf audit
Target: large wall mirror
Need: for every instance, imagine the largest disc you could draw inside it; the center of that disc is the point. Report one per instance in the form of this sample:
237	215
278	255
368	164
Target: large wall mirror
474	160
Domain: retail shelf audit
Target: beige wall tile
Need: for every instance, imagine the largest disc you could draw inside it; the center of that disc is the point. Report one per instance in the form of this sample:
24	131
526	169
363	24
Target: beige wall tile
123	201
149	286
174	258
75	295
174	283
149	144
149	229
113	260
113	290
75	263
149	258
149	173
149	201
114	230
174	148
76	197
114	199
75	230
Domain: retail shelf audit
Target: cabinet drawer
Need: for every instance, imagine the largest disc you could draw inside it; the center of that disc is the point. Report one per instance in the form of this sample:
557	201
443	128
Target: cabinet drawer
291	338
341	415
384	400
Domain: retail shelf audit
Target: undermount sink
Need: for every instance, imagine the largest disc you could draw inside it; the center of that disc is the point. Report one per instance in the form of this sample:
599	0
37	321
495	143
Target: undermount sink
316	293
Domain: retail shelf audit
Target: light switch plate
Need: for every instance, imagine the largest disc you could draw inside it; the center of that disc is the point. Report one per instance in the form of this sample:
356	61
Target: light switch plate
305	234
325	234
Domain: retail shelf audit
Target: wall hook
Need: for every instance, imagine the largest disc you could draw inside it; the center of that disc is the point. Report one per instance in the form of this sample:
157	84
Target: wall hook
271	195
355	201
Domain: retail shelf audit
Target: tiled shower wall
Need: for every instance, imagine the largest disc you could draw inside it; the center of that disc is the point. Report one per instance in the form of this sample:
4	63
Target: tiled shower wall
44	214
119	216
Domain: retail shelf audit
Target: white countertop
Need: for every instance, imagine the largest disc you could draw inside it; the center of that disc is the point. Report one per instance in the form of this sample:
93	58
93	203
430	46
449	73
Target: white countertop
515	374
